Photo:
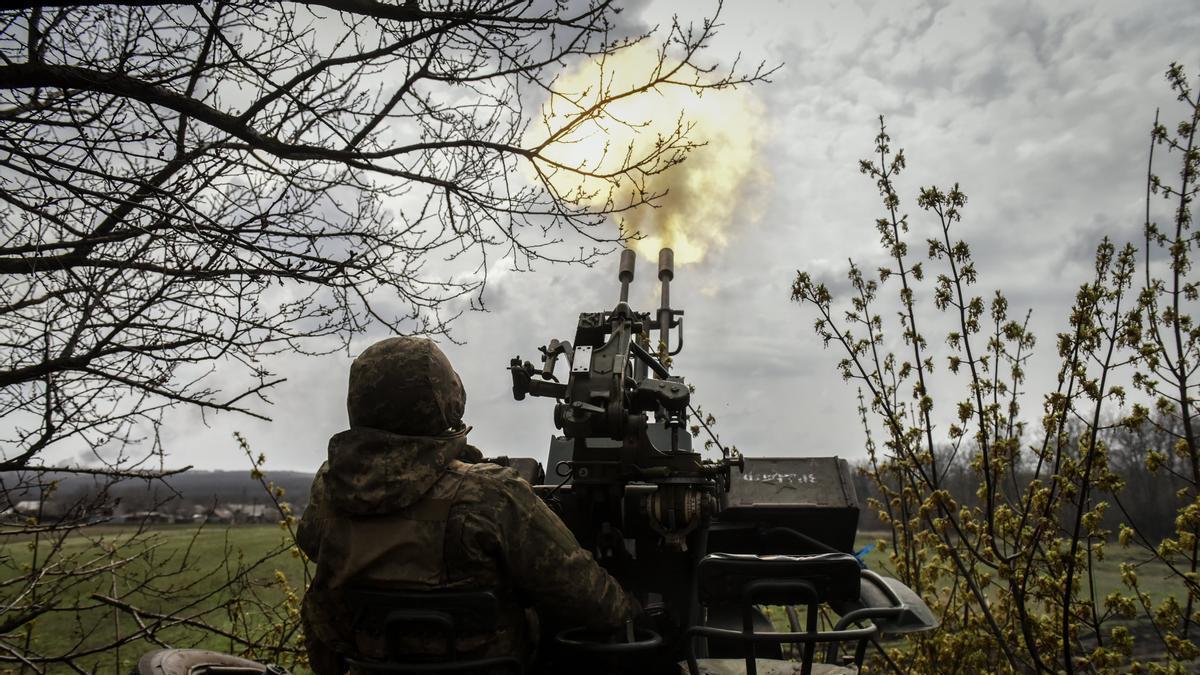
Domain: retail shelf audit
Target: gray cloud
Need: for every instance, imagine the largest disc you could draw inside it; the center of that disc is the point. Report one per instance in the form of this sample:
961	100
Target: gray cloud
1040	111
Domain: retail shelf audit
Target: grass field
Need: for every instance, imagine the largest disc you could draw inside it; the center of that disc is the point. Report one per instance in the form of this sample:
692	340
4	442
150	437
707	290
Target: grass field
192	567
1154	577
195	566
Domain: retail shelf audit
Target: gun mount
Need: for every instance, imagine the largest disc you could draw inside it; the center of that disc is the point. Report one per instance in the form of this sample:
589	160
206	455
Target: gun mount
662	519
625	451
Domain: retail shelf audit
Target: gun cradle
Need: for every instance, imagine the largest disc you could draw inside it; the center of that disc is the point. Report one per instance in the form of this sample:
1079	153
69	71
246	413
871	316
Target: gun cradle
624	478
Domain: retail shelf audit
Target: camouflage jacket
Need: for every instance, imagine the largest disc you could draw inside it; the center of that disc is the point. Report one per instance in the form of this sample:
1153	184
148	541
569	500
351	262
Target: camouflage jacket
402	512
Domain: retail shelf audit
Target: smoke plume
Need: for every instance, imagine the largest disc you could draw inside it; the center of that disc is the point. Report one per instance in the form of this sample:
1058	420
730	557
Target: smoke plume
703	195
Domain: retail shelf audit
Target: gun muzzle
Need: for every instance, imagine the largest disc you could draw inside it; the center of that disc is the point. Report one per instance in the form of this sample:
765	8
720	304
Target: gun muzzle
666	264
666	272
625	275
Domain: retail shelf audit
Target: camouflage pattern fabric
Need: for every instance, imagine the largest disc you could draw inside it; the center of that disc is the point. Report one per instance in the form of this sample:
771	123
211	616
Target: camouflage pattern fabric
391	510
405	385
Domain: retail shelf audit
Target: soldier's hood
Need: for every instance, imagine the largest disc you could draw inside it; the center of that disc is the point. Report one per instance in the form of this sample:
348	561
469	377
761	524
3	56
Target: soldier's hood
372	471
405	385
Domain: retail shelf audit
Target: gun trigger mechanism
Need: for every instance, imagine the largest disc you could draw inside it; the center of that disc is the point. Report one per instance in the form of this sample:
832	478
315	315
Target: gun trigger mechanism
524	382
550	354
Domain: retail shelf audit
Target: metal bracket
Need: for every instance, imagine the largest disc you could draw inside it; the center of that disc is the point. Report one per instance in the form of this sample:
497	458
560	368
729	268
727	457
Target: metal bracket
582	362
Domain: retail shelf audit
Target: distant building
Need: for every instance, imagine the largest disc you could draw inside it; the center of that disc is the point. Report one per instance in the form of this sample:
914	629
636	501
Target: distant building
33	508
30	507
143	517
253	513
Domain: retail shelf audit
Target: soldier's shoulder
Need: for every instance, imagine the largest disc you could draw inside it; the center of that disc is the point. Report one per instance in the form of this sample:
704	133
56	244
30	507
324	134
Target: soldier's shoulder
322	471
489	477
320	478
486	471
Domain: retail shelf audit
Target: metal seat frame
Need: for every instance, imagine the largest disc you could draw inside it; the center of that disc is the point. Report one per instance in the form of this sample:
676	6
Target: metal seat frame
443	613
785	587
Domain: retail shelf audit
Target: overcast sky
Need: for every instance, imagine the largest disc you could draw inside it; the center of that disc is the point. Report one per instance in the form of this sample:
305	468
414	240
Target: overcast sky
1040	111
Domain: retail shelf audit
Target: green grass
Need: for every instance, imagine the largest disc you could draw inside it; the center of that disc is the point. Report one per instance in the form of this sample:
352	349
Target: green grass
195	564
1154	577
189	571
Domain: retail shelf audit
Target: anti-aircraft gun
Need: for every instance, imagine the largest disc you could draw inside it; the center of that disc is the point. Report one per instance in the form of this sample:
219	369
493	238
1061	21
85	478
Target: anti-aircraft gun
701	542
628	478
623	474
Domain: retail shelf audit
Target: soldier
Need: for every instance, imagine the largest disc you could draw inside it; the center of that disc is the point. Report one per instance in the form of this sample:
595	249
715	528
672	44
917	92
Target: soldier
395	507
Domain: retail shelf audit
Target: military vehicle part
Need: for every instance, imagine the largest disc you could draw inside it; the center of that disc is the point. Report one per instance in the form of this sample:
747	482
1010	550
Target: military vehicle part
813	496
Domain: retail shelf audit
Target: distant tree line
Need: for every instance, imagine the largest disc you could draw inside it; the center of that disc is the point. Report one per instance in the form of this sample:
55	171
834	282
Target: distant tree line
1149	498
72	496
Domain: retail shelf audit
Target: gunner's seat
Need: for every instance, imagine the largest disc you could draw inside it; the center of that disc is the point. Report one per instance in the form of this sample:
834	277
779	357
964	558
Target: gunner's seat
746	581
390	620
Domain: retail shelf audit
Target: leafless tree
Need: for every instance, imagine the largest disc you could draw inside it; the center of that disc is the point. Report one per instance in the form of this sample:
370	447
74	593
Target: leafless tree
187	189
186	185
